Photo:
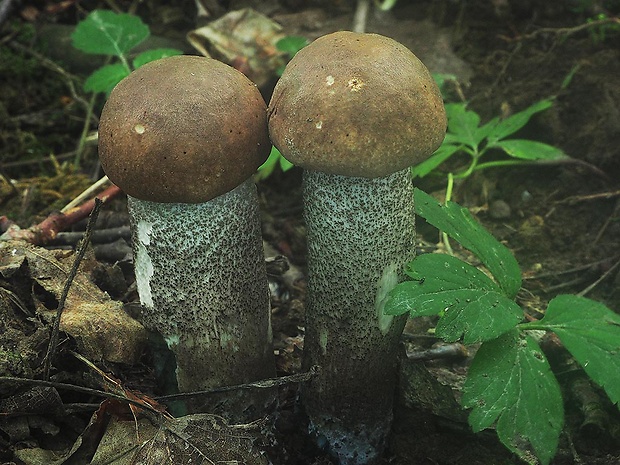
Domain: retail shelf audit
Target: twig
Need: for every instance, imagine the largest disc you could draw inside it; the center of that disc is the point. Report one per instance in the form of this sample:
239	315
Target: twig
99	236
567	30
582	198
86	194
601	278
607	222
262	384
73	387
5	9
46	231
51	348
360	16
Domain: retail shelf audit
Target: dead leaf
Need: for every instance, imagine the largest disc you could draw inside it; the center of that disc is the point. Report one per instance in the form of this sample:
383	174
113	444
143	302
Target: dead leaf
99	325
244	39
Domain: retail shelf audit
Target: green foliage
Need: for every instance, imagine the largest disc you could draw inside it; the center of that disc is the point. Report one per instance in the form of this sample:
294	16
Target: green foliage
104	32
289	45
510	384
385	5
467	135
600	33
275	159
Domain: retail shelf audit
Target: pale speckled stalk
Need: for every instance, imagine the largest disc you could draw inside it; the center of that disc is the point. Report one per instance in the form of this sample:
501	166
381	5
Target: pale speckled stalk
201	278
361	233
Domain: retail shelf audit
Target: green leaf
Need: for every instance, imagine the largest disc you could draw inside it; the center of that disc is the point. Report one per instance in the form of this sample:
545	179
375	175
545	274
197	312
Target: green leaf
458	223
155	54
591	333
104	32
515	122
275	158
510	383
529	149
291	44
444	152
463	124
105	78
470	303
285	165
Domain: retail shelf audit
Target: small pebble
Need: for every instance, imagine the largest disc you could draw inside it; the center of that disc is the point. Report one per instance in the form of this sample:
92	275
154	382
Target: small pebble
499	210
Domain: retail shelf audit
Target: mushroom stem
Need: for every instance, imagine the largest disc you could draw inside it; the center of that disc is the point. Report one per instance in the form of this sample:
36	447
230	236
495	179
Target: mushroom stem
361	233
211	308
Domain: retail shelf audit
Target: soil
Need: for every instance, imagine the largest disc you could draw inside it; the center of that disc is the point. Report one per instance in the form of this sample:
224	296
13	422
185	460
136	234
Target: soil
562	221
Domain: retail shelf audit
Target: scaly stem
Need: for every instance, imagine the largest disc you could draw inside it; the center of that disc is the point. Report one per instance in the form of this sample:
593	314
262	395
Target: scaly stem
361	233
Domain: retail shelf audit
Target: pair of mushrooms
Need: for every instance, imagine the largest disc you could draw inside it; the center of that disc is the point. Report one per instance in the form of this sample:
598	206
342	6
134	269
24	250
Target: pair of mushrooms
182	137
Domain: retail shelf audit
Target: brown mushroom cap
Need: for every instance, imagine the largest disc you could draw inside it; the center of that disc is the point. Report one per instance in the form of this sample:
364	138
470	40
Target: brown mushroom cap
356	105
183	129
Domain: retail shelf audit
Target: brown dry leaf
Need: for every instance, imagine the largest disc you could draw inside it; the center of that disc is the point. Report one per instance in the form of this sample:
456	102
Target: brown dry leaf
201	439
244	39
99	325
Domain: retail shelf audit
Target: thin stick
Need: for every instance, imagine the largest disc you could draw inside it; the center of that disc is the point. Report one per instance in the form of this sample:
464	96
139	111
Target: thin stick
81	251
262	384
86	194
75	388
601	278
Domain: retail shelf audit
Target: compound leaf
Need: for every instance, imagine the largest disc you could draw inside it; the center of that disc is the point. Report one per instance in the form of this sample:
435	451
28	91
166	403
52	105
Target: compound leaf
510	383
471	305
530	149
459	224
591	333
104	32
463	124
441	154
515	122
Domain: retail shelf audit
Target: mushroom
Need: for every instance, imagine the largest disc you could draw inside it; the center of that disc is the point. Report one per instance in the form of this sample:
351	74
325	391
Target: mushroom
356	111
182	137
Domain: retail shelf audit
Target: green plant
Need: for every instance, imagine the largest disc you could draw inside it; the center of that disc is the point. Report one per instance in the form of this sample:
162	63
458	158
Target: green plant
104	32
510	383
275	159
289	45
466	135
599	33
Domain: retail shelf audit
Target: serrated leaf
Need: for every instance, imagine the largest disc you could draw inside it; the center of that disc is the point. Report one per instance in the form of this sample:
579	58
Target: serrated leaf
510	383
155	54
463	124
529	149
459	224
105	78
515	122
470	303
104	32
591	333
441	154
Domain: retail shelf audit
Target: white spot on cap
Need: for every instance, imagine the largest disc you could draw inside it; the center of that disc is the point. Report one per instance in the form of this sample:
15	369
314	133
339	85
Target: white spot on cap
139	128
319	124
329	80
